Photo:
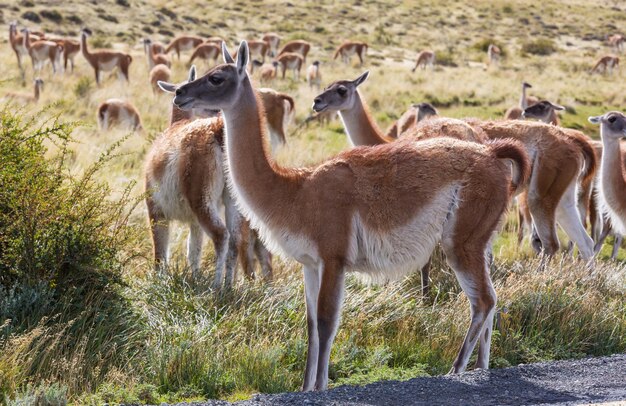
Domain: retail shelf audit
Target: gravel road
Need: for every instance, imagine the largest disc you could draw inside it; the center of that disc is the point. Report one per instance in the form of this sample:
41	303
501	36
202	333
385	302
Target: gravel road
582	382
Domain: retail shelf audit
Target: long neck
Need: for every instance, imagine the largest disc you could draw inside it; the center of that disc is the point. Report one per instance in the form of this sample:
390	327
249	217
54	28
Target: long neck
613	184
260	183
26	41
37	91
360	126
83	47
522	101
11	34
151	55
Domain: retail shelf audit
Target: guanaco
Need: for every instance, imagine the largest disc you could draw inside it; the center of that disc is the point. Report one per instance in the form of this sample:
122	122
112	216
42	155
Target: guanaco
377	210
349	48
105	60
424	59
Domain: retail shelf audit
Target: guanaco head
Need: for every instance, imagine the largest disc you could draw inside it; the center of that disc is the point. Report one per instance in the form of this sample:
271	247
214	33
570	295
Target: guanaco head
86	32
541	111
257	63
340	95
219	88
316	63
612	124
424	110
38	83
526	85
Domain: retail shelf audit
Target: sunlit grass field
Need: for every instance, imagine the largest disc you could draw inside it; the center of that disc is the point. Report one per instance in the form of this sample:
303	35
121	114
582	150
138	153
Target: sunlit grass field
154	338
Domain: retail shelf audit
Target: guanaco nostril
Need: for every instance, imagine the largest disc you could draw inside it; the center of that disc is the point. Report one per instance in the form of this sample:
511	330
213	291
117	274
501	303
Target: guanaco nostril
179	91
317	100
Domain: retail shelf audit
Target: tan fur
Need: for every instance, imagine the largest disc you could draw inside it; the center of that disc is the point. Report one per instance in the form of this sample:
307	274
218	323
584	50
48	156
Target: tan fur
214	40
606	64
297	46
155	57
206	52
349	48
378	210
290	60
408	120
424	58
71	48
273	40
279	109
105	60
314	76
183	43
259	48
116	112
493	53
617	42
42	51
16	40
268	73
159	73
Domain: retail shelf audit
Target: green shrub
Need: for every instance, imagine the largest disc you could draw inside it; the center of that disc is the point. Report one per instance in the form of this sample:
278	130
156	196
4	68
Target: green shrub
541	46
483	45
64	247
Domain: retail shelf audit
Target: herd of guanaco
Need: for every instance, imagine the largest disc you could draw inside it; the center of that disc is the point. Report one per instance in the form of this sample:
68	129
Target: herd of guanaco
379	208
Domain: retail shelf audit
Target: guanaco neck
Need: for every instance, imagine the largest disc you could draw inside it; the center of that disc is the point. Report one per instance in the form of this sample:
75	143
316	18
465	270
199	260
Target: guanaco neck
85	50
360	125
179	115
256	177
613	185
37	91
522	102
26	39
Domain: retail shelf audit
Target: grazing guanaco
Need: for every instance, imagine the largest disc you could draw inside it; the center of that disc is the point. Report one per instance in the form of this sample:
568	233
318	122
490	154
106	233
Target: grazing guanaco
515	112
267	73
154	56
183	43
349	48
290	60
612	185
314	76
606	64
259	48
42	51
323	117
494	53
206	51
214	40
559	160
161	73
273	40
416	113
25	98
279	108
105	60
297	46
424	59
617	42
378	210
118	113
71	48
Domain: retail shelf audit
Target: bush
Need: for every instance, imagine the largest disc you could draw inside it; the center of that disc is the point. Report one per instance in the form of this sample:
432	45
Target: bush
31	16
52	15
64	246
542	46
483	45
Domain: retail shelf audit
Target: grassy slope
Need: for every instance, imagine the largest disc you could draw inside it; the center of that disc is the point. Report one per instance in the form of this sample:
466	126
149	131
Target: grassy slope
396	31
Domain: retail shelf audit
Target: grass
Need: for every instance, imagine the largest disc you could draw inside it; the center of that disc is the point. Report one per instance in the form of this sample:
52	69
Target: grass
145	338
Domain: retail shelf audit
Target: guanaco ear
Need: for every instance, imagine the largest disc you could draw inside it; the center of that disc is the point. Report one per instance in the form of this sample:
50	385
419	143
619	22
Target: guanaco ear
226	54
192	74
595	120
557	107
167	87
361	78
242	57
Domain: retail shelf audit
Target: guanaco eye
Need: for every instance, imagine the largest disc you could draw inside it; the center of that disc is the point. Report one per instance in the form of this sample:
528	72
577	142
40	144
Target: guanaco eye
216	80
342	90
612	119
